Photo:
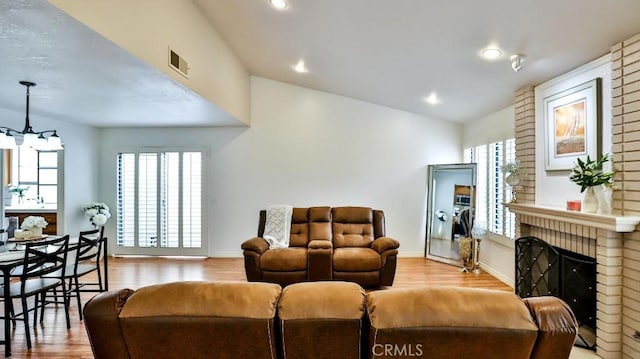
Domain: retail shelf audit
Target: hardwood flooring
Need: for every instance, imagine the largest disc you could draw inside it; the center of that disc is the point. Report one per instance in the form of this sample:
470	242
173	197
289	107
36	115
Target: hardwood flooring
52	340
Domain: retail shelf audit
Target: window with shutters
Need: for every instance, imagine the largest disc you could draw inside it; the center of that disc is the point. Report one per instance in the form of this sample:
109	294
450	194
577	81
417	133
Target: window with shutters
160	200
492	190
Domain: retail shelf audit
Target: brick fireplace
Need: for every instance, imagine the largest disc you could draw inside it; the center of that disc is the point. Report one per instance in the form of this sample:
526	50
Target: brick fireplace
592	235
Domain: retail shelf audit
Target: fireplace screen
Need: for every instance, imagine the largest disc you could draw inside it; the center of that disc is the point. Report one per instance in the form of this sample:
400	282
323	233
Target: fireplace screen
542	269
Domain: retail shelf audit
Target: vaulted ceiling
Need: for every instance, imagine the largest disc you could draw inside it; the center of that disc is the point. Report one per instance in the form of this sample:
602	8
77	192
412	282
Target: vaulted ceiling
395	53
392	53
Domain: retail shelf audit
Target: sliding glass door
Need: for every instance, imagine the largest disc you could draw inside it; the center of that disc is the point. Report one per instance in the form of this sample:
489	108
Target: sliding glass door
160	202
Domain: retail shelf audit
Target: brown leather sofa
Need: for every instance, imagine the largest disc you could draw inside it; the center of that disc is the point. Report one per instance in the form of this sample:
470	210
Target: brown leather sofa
325	320
340	243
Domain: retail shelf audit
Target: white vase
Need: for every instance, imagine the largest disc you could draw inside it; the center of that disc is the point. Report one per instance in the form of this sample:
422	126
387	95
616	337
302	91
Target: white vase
590	201
603	194
512	180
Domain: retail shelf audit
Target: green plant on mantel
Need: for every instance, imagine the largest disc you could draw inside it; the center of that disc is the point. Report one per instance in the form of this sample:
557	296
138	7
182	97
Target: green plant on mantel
589	173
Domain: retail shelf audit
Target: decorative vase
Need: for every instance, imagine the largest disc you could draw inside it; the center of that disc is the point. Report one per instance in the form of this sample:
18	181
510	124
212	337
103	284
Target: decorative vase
603	195
512	180
35	232
590	201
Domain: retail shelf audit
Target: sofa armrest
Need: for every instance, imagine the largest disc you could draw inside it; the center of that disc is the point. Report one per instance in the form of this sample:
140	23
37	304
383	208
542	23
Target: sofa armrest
103	325
557	326
383	244
255	244
320	244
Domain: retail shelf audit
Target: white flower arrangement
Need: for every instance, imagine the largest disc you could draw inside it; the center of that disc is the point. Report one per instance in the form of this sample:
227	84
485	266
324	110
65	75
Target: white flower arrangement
97	212
513	168
32	222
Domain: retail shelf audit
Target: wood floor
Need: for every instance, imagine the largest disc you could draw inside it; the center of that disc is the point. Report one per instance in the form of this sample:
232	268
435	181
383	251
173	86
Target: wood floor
52	340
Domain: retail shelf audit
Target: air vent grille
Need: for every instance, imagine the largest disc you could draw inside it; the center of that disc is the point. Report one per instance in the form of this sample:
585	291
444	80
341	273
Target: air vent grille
178	63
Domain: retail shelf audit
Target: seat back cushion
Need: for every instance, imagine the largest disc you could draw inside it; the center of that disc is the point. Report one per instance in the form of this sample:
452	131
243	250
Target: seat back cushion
451	322
299	228
352	227
320	223
200	319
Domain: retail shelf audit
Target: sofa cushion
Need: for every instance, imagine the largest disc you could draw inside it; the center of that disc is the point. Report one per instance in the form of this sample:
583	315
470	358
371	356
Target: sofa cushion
451	323
299	234
352	226
207	299
284	259
448	307
326	300
321	320
355	259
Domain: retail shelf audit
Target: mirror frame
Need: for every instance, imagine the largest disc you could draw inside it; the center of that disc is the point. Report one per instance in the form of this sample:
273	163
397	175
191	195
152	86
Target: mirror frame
432	170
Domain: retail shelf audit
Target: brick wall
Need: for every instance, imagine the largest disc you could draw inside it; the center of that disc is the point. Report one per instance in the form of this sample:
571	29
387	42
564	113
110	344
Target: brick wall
525	130
626	159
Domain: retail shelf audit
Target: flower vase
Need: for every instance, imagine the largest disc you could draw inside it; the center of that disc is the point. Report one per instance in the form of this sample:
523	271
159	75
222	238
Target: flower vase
36	232
603	195
590	201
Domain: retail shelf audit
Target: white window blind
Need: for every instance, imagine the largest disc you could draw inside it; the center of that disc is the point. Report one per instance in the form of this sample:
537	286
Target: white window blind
160	199
492	191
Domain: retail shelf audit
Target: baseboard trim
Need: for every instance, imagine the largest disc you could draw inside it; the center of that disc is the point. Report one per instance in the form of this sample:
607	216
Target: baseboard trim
499	276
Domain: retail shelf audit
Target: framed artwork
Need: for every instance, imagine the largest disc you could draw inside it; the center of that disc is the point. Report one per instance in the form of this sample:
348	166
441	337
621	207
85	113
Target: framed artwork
572	120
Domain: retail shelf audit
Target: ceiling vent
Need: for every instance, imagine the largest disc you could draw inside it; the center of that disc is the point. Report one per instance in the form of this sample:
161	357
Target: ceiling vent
178	63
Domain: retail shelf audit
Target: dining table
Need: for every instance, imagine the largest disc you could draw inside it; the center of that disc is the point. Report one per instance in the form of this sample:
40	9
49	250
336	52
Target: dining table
14	257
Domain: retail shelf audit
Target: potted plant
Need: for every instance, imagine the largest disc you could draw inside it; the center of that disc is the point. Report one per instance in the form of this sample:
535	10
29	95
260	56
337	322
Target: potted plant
594	182
20	190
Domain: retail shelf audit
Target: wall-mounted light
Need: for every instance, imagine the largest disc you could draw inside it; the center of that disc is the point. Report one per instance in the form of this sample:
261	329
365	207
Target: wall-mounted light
31	138
516	61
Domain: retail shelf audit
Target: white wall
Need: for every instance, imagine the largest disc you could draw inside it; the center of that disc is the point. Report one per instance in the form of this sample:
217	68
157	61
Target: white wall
306	148
147	28
80	166
494	127
553	188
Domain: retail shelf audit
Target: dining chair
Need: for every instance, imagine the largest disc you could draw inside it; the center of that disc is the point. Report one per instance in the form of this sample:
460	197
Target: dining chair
86	256
40	259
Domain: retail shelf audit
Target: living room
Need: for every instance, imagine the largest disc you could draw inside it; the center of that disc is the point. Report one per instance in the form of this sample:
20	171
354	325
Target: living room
280	142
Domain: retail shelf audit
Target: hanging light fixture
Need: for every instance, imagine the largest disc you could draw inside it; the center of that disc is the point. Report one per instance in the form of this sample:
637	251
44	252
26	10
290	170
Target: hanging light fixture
31	138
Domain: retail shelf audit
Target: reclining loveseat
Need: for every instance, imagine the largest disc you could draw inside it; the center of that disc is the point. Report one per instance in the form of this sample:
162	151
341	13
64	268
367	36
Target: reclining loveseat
340	243
330	320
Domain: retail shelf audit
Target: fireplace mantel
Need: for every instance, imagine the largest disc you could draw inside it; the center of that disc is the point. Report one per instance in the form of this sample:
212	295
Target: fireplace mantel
609	222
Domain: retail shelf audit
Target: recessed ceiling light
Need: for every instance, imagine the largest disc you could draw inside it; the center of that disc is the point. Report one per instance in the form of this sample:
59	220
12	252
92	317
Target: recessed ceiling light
432	99
491	53
300	67
278	4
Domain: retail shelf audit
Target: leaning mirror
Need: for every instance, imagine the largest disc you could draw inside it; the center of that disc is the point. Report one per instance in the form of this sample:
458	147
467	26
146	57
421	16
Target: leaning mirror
450	208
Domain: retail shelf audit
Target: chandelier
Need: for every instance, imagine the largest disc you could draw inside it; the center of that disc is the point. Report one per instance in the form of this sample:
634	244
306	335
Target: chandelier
31	138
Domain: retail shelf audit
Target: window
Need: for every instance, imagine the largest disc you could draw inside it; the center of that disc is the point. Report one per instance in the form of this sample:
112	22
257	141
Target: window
492	191
160	200
38	171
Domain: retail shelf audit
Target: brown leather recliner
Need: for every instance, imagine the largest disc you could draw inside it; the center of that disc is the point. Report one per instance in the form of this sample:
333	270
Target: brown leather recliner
185	320
361	252
341	243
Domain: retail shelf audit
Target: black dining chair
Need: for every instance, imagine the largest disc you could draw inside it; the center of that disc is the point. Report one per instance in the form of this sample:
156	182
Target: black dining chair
86	256
41	258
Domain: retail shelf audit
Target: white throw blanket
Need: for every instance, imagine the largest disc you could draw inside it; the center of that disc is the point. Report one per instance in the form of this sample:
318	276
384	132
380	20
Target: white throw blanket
277	227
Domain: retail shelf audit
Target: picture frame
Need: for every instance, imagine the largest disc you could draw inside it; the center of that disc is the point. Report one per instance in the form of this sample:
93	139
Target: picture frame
573	120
